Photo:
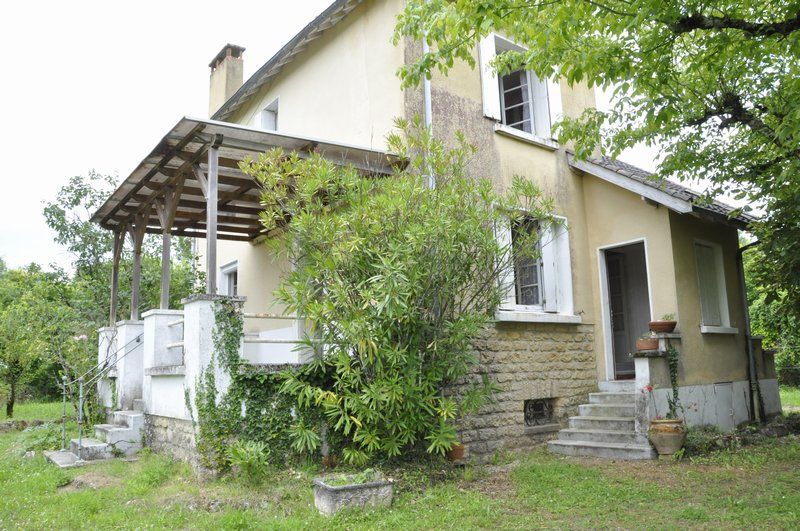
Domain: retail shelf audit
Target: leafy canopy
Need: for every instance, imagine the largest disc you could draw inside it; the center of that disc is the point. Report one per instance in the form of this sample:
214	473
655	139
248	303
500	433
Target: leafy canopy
394	280
715	84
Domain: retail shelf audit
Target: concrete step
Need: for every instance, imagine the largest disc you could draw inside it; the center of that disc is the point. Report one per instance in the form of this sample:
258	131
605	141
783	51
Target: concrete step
131	419
625	437
90	449
617	386
605	450
607	410
612	398
112	434
138	405
62	458
602	423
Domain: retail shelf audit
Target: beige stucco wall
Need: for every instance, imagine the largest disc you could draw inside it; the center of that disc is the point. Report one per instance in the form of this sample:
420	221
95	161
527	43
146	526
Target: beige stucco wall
615	217
342	88
707	358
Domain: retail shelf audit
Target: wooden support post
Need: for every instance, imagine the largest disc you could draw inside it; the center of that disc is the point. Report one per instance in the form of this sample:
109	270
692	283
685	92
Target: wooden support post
166	216
211	215
137	232
119	240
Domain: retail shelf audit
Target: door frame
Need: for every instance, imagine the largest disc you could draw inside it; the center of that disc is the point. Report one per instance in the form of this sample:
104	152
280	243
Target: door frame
605	313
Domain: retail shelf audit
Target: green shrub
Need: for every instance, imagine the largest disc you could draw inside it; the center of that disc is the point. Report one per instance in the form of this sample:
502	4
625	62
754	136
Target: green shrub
250	458
43	437
395	281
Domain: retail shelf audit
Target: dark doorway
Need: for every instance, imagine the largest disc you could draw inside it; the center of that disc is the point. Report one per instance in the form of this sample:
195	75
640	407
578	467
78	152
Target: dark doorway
628	304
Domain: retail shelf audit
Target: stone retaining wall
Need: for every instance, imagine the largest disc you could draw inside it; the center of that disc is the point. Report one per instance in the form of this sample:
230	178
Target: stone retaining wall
529	361
170	436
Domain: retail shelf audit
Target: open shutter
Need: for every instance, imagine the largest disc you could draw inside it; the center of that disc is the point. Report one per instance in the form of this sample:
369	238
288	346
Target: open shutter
541	107
549	247
507	281
554	102
490	85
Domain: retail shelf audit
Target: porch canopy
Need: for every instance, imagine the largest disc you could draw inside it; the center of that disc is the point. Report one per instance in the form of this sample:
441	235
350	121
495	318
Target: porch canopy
191	185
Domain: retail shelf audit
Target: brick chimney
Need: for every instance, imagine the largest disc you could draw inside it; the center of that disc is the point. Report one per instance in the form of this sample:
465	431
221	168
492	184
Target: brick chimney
227	74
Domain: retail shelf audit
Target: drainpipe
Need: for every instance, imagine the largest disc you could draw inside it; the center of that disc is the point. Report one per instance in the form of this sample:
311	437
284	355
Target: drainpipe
426	98
752	374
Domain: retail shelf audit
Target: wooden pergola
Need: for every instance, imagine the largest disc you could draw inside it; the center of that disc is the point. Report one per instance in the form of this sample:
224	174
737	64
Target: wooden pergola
191	185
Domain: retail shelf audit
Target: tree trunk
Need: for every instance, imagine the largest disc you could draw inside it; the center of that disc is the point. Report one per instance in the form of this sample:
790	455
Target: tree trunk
10	403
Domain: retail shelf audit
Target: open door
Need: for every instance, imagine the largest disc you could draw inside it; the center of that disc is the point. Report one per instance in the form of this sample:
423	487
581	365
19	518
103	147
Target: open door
628	304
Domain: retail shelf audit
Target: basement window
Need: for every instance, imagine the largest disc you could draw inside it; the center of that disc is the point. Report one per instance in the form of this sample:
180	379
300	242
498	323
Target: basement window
538	412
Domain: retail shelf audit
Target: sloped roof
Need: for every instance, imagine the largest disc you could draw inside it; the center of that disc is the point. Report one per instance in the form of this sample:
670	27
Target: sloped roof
692	199
325	20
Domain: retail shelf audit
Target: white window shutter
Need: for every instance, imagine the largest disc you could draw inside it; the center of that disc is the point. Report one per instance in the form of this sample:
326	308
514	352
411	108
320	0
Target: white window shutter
564	268
507	280
490	85
549	247
554	101
541	107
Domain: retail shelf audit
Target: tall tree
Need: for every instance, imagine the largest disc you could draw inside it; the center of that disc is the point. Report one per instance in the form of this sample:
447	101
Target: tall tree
715	84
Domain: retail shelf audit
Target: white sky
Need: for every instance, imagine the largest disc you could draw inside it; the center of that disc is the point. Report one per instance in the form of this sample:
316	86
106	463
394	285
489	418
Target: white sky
95	84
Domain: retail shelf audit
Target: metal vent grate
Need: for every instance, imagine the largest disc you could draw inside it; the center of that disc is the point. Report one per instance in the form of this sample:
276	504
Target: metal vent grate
538	412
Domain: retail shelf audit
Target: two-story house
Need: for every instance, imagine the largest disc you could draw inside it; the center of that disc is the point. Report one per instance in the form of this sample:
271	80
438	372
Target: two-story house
631	248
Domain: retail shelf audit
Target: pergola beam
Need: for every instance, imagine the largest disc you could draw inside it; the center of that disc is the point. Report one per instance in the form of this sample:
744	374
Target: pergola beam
119	240
212	201
136	232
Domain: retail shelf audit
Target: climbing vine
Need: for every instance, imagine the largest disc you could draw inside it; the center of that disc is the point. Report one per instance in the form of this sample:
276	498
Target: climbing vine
252	409
672	363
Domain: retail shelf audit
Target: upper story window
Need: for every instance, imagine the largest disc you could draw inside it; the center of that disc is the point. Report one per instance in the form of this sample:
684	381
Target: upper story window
267	119
518	100
712	289
540	280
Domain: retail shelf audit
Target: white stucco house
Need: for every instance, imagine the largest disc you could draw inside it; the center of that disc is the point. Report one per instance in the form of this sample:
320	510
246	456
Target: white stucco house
632	248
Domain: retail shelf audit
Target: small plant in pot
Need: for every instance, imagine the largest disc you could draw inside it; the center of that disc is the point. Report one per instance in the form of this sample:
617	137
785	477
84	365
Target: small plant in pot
665	325
668	433
649	341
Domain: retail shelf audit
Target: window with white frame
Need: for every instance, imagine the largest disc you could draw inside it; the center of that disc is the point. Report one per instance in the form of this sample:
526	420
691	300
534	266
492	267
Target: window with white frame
229	284
267	119
518	100
711	285
540	280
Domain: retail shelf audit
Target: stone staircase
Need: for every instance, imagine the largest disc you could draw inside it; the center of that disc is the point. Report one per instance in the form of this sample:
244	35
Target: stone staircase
122	438
605	427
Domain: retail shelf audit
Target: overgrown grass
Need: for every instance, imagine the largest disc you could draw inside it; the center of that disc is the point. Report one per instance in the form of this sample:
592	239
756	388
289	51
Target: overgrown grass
39	411
790	396
753	487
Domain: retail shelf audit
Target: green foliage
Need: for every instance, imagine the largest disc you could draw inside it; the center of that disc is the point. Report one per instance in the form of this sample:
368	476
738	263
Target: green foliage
250	458
672	363
716	85
394	280
45	436
367	475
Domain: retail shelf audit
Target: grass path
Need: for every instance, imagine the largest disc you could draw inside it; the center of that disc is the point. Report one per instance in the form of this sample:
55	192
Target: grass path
753	487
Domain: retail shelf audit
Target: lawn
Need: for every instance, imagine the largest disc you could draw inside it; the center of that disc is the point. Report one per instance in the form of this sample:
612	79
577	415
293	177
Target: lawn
752	487
790	397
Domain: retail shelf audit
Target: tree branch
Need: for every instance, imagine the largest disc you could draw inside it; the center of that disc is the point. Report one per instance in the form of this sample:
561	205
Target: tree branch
696	21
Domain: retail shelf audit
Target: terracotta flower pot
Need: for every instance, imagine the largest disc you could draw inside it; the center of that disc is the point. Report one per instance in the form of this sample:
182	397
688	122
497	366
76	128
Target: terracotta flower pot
667	435
456	452
663	327
648	343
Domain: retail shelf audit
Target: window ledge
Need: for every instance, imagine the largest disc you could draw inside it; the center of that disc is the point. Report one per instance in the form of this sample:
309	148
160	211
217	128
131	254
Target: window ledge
545	143
166	370
718	330
520	316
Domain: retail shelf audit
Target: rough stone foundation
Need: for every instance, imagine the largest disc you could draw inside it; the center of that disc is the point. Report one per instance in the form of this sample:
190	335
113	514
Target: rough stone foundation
529	361
170	436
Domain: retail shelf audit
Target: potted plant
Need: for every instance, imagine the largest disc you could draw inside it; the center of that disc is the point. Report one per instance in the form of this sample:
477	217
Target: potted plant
366	488
665	325
668	433
456	452
649	341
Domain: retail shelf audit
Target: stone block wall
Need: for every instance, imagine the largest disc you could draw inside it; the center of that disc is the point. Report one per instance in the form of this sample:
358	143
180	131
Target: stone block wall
170	436
529	361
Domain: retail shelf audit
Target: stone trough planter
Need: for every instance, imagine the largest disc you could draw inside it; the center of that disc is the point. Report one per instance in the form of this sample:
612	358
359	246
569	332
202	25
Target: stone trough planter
335	492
